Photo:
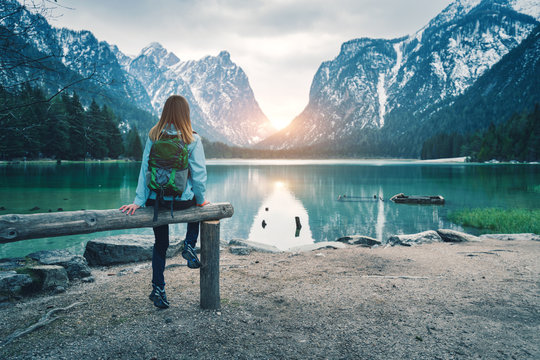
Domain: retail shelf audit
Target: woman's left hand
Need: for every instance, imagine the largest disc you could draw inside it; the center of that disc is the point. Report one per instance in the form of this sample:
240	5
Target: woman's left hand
130	208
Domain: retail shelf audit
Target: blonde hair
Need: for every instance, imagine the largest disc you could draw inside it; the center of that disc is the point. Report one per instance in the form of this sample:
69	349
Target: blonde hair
175	112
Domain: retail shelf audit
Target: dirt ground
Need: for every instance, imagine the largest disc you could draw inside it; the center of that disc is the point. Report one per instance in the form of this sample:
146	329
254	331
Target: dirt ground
438	301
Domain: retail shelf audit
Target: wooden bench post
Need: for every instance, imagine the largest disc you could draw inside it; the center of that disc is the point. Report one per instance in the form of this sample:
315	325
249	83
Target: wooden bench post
210	298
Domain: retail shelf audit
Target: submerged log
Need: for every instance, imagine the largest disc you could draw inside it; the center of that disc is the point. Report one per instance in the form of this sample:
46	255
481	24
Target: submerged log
417	199
17	227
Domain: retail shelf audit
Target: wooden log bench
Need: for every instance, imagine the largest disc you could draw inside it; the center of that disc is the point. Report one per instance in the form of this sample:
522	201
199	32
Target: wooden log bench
17	227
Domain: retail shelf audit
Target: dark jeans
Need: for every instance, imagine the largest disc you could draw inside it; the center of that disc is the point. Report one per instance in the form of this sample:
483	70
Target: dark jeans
161	234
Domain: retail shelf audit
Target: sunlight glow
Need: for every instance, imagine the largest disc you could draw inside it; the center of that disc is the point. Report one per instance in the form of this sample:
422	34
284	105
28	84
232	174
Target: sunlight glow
280	123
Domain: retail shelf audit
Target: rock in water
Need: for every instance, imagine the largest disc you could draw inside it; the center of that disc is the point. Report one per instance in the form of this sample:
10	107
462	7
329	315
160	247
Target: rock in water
425	237
124	249
75	265
448	235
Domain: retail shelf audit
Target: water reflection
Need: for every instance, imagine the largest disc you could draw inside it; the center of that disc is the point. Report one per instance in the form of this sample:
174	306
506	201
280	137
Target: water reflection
305	189
275	224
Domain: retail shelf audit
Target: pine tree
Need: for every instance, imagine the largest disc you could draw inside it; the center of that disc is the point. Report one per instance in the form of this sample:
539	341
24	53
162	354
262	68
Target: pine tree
112	136
75	117
134	146
96	131
55	140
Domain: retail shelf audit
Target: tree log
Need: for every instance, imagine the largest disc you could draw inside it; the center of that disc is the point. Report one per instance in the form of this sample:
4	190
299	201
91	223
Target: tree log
209	278
17	227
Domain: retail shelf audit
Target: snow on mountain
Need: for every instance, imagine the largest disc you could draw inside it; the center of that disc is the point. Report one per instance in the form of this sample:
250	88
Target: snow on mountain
375	84
65	59
529	7
222	90
223	106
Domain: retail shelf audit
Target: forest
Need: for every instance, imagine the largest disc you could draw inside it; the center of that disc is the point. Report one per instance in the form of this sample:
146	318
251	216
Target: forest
61	129
517	139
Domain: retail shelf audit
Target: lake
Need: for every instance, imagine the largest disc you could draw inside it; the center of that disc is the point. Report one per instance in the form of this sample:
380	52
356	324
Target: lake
277	191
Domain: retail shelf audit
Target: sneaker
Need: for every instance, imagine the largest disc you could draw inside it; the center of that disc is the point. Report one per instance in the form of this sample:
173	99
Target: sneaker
191	256
153	294
159	297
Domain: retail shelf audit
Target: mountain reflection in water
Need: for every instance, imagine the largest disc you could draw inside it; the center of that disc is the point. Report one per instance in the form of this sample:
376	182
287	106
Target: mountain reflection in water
288	188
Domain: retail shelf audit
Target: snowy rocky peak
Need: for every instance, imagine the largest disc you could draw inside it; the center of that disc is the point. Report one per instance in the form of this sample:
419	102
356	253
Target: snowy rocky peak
223	107
159	55
455	10
221	89
122	58
528	7
225	56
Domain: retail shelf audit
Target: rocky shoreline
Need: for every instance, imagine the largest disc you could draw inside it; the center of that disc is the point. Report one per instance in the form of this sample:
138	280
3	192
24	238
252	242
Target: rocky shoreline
53	271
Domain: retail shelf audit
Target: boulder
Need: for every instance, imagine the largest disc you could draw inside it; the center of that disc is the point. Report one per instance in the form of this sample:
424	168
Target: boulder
51	276
239	250
13	283
12	263
318	246
511	237
255	246
359	240
123	249
424	237
75	265
449	235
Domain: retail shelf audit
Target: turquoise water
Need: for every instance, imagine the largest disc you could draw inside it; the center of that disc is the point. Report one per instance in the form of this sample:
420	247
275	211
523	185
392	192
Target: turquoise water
287	188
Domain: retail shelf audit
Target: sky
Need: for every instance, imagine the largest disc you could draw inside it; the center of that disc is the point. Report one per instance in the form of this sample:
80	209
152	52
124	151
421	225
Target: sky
278	43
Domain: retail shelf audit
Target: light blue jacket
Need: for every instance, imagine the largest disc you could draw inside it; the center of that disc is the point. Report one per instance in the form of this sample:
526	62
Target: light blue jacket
196	184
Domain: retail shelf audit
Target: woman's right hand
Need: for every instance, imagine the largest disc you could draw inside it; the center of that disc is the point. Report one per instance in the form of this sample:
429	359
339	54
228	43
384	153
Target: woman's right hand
130	208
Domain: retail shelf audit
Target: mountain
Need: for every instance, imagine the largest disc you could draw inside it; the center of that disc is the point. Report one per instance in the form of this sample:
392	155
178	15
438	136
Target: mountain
367	100
223	105
35	53
511	86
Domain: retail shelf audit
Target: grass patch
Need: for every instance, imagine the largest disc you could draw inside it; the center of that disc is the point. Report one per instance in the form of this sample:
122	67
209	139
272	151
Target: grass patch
493	220
536	188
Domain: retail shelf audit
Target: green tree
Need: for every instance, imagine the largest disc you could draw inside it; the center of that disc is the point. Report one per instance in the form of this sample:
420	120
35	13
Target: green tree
134	146
76	118
95	130
55	135
112	136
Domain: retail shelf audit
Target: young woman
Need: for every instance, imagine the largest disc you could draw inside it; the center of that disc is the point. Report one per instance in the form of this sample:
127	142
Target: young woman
174	121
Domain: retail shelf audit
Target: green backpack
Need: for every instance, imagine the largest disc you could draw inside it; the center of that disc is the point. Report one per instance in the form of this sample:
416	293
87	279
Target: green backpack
167	172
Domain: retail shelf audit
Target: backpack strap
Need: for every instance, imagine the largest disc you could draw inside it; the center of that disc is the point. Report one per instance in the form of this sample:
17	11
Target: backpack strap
159	198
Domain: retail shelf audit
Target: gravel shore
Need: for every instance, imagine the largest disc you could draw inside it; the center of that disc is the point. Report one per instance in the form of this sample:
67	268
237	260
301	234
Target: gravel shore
477	300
